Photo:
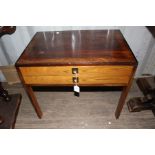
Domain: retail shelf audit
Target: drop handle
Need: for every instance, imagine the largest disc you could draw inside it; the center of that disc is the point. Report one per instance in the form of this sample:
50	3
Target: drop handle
75	80
75	71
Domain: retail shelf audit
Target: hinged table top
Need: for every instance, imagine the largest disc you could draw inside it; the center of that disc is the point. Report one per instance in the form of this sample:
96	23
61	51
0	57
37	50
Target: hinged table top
80	47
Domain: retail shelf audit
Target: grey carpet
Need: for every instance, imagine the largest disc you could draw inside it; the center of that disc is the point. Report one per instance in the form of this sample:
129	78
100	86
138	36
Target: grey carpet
92	110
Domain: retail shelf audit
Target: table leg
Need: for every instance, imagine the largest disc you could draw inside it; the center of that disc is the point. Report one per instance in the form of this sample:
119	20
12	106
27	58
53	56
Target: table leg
121	102
124	95
34	100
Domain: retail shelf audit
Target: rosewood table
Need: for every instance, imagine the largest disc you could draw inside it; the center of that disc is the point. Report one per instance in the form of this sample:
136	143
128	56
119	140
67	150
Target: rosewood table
82	58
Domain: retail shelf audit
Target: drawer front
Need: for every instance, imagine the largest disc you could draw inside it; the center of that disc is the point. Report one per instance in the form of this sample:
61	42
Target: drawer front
105	75
46	71
47	75
87	75
55	80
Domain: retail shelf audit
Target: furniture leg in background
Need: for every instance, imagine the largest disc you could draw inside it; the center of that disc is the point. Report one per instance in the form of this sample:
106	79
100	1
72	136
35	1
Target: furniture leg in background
9	109
146	102
4	93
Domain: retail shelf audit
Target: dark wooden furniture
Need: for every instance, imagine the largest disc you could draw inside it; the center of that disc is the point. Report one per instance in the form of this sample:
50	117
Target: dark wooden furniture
5	30
152	30
9	104
9	111
3	93
146	102
85	57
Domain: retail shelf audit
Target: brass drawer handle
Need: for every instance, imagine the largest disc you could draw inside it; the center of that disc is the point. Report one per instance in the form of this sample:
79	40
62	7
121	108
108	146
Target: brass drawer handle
75	71
75	80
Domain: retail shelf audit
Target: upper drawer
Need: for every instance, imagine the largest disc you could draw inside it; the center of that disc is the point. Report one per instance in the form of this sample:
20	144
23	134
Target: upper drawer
105	75
108	71
46	71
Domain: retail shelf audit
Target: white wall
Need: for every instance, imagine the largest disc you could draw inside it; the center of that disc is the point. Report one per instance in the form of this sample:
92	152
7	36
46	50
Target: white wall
148	66
138	38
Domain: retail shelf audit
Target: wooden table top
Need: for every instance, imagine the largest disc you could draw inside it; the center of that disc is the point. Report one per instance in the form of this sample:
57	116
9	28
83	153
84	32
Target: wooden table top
80	47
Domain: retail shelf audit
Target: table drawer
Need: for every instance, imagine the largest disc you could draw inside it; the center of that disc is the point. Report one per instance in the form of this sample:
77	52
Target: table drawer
87	75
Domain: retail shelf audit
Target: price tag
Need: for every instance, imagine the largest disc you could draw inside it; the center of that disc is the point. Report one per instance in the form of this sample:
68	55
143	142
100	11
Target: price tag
77	89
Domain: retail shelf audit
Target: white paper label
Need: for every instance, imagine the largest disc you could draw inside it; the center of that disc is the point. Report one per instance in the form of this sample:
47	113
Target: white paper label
76	88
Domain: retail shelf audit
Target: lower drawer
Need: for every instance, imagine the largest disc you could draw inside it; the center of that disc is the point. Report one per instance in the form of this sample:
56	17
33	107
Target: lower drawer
87	75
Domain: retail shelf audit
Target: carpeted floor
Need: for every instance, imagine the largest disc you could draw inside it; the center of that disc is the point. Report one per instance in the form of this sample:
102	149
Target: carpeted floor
93	109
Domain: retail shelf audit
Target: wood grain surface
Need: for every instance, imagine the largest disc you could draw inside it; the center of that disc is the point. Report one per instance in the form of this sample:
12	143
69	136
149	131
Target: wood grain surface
82	47
107	75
